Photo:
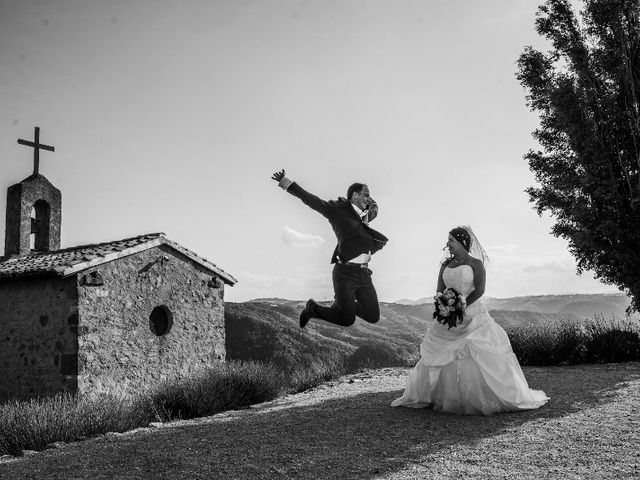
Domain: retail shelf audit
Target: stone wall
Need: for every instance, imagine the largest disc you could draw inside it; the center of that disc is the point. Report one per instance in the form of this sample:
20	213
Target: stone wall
118	349
38	343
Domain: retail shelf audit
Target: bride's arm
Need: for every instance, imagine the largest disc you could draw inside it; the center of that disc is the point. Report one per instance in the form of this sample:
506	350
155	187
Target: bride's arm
479	279
441	285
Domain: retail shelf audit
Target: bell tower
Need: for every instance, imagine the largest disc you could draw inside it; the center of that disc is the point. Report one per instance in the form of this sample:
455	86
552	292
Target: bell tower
34	211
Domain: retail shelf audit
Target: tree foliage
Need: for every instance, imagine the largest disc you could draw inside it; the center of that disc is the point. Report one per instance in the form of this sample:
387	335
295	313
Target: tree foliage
586	92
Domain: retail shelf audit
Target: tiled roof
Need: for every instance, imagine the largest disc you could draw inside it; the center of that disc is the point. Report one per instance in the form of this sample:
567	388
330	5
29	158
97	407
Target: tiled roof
75	259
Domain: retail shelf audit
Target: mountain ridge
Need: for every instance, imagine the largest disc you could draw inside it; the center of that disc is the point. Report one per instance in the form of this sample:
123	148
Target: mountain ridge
266	329
583	305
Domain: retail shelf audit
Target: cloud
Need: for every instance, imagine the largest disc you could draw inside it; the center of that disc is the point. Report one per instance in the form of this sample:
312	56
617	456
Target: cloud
301	240
551	266
510	258
253	280
501	250
301	284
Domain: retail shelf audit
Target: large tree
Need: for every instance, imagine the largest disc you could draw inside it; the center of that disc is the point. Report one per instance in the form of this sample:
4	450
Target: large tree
586	90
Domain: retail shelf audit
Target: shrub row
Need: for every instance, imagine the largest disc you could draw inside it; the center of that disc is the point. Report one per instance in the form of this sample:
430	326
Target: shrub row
598	340
35	424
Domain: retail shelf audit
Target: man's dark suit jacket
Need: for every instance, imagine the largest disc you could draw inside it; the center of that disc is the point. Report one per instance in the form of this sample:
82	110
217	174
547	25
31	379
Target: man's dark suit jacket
354	237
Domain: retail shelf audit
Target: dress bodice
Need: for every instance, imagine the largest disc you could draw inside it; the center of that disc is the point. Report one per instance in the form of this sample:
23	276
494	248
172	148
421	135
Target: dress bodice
460	278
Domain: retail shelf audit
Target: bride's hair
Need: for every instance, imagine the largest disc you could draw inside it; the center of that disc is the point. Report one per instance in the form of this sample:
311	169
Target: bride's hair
462	236
469	241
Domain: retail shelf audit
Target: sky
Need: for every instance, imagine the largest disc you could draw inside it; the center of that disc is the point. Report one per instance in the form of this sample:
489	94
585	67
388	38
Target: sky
171	116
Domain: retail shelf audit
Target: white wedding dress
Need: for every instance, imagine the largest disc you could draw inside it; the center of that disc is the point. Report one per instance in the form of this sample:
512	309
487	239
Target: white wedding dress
471	368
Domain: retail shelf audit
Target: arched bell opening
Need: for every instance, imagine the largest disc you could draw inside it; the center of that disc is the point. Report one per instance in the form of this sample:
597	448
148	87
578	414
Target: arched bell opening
40	222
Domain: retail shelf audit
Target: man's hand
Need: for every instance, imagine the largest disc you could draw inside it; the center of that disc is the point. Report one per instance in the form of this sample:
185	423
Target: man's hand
278	175
373	209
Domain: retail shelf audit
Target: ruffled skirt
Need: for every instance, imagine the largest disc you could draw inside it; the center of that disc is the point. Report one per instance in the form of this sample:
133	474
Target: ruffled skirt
469	369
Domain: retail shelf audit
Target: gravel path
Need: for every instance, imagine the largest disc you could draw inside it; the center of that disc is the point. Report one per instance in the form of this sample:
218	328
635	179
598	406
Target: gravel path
346	430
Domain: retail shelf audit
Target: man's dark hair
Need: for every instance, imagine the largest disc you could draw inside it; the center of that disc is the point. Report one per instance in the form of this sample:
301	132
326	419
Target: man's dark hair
356	187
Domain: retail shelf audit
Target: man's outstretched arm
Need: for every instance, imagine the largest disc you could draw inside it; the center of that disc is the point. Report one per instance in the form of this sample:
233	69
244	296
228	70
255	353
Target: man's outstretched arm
296	190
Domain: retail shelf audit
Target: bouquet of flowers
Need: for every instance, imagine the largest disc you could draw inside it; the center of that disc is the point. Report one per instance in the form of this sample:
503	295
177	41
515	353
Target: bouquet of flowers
450	306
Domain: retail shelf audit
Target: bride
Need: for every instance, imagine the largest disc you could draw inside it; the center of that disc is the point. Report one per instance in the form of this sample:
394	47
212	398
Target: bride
469	368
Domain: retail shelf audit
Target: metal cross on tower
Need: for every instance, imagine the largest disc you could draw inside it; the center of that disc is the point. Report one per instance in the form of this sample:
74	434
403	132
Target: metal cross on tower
36	149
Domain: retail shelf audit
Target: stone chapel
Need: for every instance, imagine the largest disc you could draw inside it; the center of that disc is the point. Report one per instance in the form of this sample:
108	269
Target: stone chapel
113	316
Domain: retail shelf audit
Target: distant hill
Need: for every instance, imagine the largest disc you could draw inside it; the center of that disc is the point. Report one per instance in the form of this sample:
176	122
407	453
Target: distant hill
581	305
514	318
269	332
275	300
267	329
407	301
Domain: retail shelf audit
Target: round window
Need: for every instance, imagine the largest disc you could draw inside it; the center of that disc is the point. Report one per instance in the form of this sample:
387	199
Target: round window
160	321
